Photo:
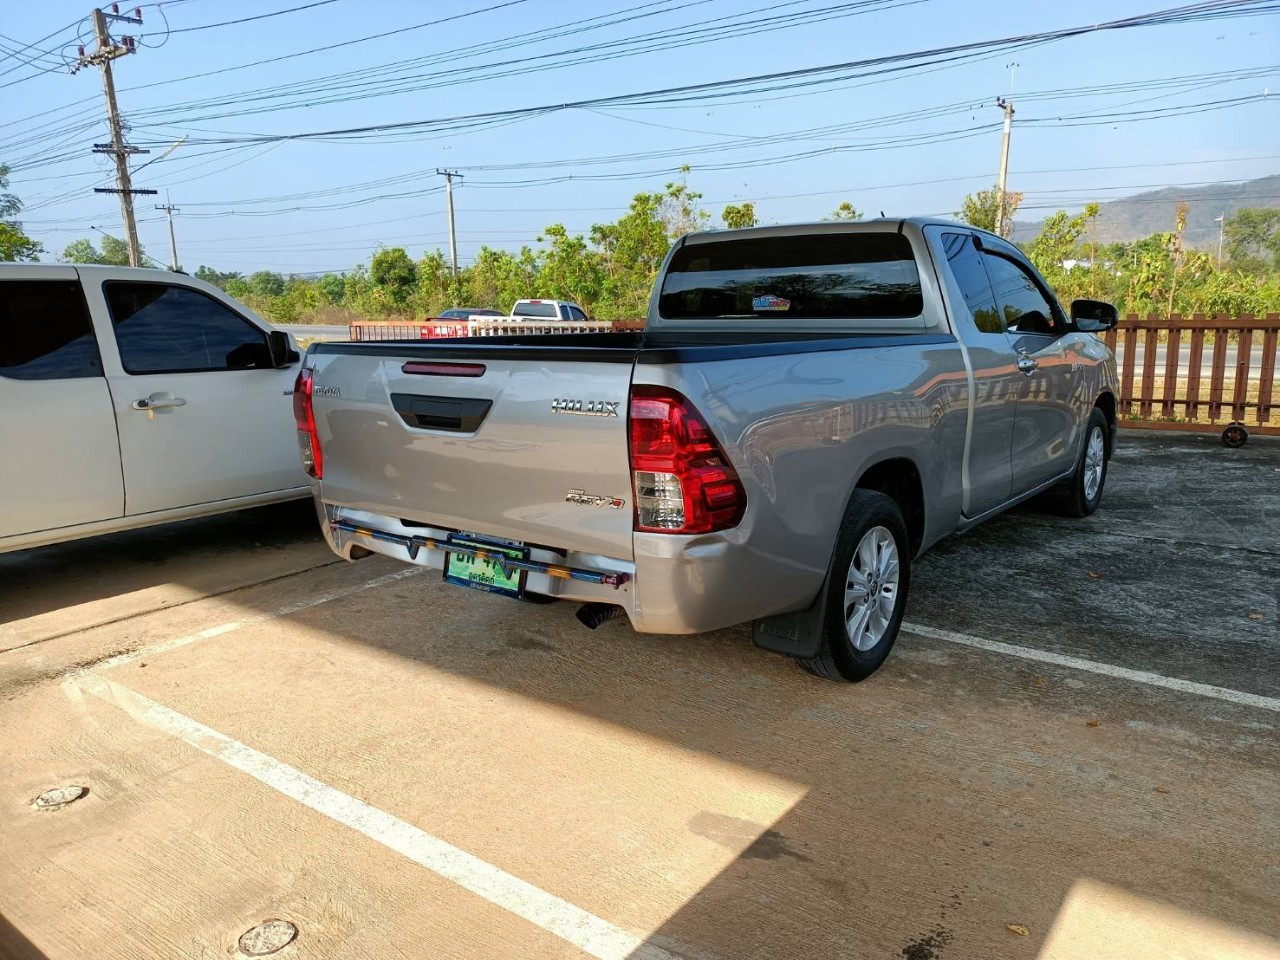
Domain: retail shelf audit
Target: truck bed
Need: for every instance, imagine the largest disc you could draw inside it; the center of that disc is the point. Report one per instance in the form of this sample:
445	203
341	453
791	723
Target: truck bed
643	347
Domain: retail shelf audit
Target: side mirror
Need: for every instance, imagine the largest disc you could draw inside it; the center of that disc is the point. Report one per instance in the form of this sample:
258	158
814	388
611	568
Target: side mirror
282	353
1093	316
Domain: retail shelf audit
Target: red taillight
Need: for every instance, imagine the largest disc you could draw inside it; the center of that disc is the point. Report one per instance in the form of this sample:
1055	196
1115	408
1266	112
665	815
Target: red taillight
305	419
682	480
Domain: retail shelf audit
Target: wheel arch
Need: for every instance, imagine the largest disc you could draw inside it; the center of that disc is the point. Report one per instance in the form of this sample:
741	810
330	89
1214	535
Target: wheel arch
899	479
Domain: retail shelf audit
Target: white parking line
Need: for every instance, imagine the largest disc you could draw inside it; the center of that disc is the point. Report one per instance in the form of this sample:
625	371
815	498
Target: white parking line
220	629
1106	669
581	929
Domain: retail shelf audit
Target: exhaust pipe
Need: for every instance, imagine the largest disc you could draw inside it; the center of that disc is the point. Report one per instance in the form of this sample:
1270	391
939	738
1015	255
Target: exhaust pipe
591	615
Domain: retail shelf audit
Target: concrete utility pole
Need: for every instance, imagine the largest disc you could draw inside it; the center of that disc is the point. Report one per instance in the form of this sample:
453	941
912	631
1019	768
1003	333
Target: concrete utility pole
1222	229
1007	107
107	51
453	237
170	210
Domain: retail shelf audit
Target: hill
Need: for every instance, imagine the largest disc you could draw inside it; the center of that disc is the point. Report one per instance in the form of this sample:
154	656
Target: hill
1131	218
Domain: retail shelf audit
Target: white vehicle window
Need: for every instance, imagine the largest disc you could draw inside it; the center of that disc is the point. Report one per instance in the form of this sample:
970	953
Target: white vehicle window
45	331
162	328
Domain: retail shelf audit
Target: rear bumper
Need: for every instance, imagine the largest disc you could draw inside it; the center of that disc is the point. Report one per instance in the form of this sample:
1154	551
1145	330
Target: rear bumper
675	584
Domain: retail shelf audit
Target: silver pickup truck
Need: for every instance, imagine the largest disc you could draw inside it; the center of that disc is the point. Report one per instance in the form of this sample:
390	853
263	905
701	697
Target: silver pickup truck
808	408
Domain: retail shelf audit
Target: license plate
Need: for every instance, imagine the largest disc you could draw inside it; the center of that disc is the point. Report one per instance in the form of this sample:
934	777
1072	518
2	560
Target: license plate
481	573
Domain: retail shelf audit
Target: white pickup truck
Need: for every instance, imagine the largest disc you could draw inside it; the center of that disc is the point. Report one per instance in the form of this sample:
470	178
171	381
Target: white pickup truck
560	310
135	397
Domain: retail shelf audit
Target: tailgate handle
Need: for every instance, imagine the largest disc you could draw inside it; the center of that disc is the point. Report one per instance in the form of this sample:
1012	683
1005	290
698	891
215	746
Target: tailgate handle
457	414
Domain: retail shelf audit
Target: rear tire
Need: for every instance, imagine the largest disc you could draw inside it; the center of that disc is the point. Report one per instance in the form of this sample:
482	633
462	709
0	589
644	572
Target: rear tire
1080	494
869	580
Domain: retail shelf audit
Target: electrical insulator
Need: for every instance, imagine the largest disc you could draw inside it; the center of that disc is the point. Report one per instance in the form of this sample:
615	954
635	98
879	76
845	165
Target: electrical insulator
137	13
115	8
81	49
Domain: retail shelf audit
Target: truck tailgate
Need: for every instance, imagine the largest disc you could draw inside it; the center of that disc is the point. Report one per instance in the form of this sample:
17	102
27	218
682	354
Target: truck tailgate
523	449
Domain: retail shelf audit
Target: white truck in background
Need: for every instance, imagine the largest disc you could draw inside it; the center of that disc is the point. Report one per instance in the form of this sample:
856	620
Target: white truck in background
135	397
561	310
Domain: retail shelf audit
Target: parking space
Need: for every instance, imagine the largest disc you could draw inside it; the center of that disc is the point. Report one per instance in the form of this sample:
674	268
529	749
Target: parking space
1071	753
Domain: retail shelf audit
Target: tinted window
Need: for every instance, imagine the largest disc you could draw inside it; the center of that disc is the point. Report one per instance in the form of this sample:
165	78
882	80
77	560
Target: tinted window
45	331
1025	308
164	329
835	276
576	314
536	310
971	276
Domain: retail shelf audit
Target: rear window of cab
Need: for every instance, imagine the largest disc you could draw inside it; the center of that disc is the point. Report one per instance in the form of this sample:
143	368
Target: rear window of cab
864	275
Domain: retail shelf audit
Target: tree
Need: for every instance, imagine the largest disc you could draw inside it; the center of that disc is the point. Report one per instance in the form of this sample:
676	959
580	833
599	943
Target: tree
979	209
14	243
679	209
738	216
394	274
265	283
114	253
215	277
330	287
846	211
1056	243
568	270
1252	239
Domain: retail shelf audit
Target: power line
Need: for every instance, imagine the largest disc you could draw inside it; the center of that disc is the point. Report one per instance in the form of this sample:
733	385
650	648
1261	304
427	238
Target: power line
239	20
713	88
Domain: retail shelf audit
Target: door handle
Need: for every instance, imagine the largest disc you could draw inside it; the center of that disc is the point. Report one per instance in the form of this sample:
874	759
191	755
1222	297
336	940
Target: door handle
1027	365
158	401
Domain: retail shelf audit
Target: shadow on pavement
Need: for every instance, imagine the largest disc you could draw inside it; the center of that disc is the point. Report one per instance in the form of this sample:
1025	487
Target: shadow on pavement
15	946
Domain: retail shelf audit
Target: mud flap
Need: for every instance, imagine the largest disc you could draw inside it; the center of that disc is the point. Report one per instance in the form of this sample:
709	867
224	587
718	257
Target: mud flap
797	634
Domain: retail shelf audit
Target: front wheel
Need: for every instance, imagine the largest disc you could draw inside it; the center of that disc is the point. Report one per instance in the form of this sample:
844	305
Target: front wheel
867	596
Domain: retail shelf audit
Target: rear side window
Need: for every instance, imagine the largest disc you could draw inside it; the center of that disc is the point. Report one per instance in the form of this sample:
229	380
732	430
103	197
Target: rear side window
971	276
167	329
827	277
536	310
45	331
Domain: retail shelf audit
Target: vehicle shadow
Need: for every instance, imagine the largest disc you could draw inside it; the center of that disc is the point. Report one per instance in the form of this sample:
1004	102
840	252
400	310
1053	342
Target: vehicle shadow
14	945
75	585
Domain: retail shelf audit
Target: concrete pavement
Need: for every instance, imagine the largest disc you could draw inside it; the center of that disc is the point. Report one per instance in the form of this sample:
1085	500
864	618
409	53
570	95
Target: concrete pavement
406	769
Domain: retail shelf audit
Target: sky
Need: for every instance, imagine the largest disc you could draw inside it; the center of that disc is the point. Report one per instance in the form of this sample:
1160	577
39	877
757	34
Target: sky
1097	116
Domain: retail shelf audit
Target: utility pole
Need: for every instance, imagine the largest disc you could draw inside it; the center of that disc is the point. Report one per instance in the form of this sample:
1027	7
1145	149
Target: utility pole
453	237
1007	107
170	210
1222	228
108	50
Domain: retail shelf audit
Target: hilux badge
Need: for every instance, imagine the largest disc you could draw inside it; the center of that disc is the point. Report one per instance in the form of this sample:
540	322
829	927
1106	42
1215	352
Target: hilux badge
586	408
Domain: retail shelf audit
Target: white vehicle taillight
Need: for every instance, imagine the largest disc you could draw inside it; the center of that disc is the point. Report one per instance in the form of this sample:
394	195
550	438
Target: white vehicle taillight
683	481
305	419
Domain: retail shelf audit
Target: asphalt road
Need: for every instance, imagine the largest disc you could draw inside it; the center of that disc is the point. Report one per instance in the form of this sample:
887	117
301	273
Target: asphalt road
1071	753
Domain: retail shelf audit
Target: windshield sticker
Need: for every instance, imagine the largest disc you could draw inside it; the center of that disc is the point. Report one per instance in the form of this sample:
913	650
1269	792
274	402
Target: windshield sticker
770	302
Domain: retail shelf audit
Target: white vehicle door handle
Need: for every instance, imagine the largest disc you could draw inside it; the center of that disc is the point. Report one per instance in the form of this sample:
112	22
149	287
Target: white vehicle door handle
158	401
